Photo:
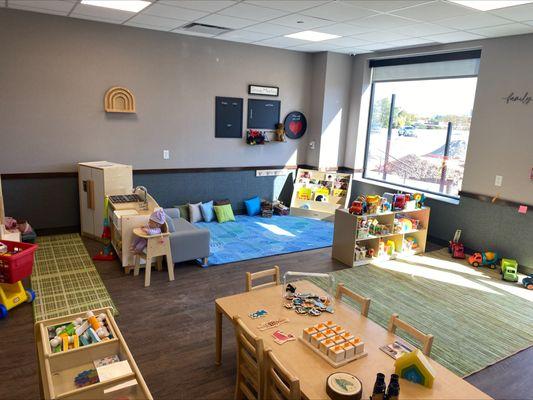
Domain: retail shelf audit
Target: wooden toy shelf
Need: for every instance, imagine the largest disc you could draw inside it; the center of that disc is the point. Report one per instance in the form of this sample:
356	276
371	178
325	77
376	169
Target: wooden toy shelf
345	236
307	186
58	370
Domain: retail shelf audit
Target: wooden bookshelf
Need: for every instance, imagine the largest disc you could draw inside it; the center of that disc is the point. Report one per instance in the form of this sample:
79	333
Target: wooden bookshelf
346	235
317	194
58	370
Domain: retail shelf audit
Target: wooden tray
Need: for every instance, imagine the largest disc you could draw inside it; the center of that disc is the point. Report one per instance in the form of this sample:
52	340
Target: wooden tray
329	360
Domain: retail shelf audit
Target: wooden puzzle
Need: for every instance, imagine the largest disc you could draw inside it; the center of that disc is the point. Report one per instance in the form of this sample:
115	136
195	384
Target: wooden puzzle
273	323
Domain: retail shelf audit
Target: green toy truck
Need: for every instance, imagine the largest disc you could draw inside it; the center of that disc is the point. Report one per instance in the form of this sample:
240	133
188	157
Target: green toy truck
509	270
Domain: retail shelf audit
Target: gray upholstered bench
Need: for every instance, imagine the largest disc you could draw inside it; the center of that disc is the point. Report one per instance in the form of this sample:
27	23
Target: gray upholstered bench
187	242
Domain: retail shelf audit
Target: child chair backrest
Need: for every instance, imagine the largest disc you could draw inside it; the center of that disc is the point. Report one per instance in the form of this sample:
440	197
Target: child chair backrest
425	339
279	382
273	272
364	302
250	381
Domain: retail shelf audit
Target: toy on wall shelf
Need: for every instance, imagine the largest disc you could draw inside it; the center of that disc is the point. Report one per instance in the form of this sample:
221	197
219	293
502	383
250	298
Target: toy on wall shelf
254	136
415	367
528	282
455	247
372	203
509	270
356	208
410	243
488	259
280	133
399	201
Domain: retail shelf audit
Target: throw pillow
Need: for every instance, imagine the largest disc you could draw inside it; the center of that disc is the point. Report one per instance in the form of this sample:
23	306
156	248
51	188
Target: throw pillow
195	214
207	211
184	211
253	206
222	202
224	213
170	223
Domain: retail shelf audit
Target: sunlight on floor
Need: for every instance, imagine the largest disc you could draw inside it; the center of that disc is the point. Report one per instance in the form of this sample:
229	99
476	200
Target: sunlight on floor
276	230
454	266
433	274
516	289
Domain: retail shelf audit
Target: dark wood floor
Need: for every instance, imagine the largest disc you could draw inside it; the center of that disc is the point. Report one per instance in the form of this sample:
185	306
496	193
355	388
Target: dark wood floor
169	328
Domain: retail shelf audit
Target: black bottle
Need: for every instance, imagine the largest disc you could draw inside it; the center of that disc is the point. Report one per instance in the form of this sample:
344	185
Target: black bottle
393	390
379	388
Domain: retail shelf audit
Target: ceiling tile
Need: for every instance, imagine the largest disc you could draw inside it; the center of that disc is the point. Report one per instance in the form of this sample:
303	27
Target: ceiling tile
101	13
385	5
58	7
252	12
453	37
409	42
315	47
146	26
226	21
504	30
375	46
344	29
282	42
244	36
423	29
351	51
158	22
204	5
96	18
184	14
189	33
271	29
381	36
347	42
301	22
434	11
288	5
338	12
473	21
383	21
517	13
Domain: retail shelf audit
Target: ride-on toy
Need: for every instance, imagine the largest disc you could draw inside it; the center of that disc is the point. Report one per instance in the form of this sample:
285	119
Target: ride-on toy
16	263
528	282
488	259
509	270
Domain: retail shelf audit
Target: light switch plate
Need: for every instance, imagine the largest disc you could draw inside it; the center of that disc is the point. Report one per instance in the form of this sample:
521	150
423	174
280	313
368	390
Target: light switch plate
166	154
498	180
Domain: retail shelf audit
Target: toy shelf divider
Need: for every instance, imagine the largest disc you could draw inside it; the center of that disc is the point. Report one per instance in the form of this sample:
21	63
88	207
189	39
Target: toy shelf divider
345	237
58	370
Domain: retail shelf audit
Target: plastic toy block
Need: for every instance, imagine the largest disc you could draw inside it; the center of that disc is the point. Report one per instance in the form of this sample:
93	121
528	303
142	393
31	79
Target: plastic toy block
347	336
338	330
325	345
75	341
349	349
317	338
65	343
337	353
329	333
84	340
415	367
320	327
93	336
330	324
308	332
338	339
359	347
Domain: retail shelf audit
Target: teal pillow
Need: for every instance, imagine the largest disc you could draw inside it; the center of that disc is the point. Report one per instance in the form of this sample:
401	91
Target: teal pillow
207	211
224	213
184	211
253	206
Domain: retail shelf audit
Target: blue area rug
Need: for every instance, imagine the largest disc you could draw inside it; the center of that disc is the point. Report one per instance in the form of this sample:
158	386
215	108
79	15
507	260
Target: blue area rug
255	237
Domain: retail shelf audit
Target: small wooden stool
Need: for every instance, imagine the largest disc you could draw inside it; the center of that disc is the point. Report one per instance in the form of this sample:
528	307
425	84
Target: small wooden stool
157	247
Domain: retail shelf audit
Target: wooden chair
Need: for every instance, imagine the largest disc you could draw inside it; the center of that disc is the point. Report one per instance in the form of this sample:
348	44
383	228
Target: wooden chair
157	247
364	302
250	277
425	339
250	379
280	384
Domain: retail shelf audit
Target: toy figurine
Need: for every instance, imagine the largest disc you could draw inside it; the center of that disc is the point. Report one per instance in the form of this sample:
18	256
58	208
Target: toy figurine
280	133
356	208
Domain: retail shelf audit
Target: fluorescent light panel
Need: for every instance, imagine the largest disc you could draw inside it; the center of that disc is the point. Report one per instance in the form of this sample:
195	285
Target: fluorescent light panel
487	5
123	5
312	36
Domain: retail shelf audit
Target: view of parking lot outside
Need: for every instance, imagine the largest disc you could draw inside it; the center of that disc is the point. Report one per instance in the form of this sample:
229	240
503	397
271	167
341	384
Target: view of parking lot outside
416	153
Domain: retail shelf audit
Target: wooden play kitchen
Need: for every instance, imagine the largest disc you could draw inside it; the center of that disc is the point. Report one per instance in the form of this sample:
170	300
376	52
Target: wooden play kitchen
354	244
317	194
311	369
64	374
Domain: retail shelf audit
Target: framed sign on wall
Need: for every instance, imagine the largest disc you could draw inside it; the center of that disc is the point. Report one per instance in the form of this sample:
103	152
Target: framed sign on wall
228	117
263	90
263	114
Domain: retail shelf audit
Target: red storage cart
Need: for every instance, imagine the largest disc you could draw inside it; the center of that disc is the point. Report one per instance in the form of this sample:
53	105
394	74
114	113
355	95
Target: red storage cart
16	263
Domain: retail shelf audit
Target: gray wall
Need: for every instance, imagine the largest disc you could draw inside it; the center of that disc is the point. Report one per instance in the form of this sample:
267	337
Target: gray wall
54	72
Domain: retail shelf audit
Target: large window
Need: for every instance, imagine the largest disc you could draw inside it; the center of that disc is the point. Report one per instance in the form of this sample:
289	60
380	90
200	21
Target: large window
418	127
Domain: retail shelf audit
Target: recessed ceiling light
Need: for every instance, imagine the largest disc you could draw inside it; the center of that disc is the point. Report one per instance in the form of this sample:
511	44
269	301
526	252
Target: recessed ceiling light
312	36
124	5
487	5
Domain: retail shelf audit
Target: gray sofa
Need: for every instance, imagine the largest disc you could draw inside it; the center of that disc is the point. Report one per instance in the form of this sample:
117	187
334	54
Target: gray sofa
187	242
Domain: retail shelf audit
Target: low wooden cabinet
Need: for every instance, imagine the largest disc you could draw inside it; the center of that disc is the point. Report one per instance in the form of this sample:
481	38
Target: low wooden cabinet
58	370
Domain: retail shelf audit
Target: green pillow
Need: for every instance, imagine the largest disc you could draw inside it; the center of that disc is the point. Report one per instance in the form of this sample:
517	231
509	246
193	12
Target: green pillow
224	213
184	211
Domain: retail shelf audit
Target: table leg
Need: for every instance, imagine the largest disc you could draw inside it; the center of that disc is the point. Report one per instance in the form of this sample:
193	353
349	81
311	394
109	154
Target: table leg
218	333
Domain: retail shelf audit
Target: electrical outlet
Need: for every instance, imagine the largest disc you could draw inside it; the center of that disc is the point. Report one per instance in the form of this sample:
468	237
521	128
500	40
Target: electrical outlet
312	145
166	154
498	180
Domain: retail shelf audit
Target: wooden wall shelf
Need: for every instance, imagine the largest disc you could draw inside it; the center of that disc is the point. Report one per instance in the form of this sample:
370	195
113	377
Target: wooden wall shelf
119	100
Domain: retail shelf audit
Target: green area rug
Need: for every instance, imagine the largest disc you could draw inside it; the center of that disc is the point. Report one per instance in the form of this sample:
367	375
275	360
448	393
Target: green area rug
65	279
477	319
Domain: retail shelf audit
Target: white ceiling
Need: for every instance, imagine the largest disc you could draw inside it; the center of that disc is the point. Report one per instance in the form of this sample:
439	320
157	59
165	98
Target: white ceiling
365	25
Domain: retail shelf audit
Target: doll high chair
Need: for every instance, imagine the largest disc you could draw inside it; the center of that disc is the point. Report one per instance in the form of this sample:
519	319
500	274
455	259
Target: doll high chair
157	247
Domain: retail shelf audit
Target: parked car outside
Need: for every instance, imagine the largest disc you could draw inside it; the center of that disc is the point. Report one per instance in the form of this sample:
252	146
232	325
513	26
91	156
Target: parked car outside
408	131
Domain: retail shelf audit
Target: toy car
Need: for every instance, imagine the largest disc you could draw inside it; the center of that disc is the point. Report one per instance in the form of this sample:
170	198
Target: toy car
509	270
528	282
488	259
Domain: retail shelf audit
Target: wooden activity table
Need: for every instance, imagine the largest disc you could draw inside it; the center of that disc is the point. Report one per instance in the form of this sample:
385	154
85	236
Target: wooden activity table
310	368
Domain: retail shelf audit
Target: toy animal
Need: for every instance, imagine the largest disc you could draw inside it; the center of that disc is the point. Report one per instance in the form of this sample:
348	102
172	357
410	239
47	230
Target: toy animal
280	133
488	259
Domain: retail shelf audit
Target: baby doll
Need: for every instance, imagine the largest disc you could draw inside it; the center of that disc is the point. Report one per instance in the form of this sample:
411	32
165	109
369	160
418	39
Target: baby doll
157	219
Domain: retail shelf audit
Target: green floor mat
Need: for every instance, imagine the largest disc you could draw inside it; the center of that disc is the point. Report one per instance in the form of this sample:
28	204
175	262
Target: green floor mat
65	279
477	319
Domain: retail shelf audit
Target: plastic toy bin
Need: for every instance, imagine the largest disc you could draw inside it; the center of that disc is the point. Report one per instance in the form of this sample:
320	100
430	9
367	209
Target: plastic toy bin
15	267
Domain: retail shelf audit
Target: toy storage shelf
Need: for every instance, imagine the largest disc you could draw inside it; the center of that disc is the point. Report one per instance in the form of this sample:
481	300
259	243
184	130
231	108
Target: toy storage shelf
58	370
309	185
345	236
